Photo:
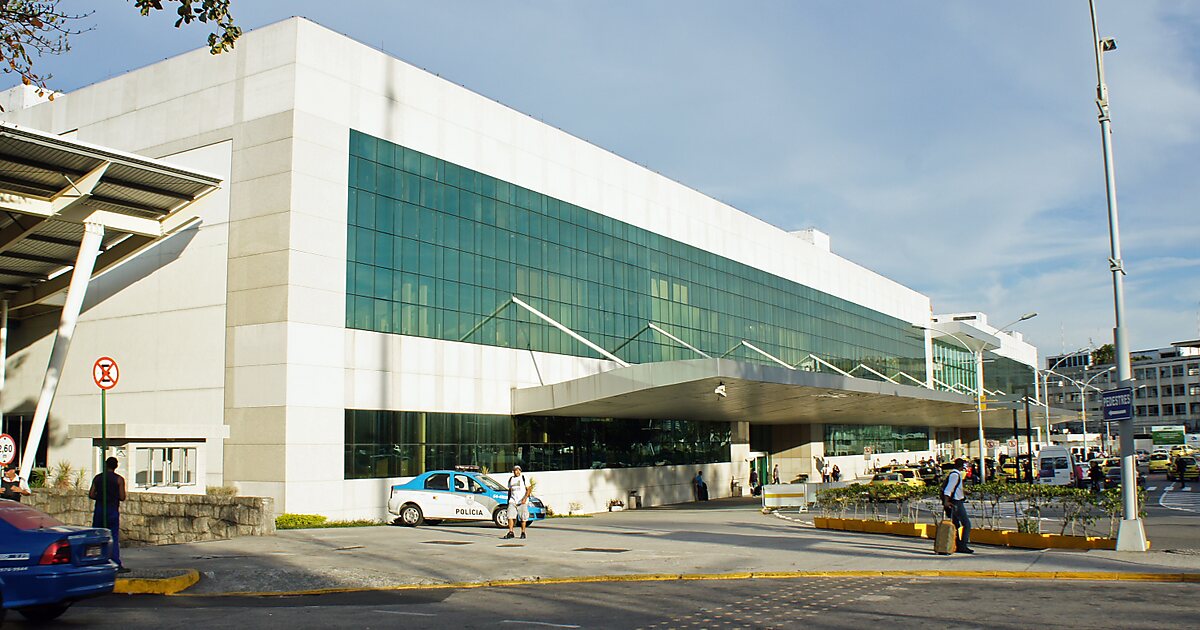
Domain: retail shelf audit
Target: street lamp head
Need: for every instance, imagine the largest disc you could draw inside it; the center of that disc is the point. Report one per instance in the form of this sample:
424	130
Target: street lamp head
1027	316
1108	44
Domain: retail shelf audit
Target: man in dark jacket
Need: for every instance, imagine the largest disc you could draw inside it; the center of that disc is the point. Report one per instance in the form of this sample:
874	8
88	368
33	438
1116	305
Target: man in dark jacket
108	490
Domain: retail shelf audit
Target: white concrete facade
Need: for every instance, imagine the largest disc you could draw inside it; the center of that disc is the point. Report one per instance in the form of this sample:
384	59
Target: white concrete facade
243	325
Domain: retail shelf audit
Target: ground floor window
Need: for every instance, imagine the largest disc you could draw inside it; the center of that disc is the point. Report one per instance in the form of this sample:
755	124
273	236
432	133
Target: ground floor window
852	439
405	443
163	466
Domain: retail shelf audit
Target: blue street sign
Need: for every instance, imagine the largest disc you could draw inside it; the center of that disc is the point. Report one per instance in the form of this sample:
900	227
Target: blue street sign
1118	404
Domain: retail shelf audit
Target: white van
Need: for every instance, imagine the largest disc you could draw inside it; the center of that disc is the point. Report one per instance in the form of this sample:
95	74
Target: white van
1056	467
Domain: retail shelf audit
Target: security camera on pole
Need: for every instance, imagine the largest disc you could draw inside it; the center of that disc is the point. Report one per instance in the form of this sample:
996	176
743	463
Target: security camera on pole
1131	535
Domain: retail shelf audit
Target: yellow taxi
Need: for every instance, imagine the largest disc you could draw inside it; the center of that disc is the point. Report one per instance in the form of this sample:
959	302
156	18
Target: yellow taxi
1159	462
1191	469
909	476
885	479
1181	449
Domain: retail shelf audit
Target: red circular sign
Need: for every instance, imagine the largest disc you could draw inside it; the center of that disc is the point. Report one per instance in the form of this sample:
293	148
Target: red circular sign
105	373
8	449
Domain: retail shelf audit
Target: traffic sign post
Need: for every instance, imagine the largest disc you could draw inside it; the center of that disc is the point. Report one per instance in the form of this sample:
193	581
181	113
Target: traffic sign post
1118	404
105	373
8	449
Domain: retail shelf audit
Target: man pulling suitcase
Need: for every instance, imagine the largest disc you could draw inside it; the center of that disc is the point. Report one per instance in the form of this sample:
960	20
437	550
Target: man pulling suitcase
955	505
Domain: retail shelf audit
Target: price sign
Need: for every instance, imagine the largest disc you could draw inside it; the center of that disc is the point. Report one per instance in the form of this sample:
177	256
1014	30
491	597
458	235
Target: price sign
105	373
8	449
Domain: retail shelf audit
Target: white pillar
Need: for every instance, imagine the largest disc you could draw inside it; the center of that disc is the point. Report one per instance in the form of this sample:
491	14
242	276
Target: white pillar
85	261
3	347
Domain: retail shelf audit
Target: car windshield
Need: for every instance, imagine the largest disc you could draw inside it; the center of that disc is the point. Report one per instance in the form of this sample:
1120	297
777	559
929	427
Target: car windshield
489	482
27	518
1159	457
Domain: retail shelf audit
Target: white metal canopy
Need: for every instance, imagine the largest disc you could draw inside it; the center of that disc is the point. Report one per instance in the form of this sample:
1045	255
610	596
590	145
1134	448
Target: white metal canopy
755	393
68	210
51	186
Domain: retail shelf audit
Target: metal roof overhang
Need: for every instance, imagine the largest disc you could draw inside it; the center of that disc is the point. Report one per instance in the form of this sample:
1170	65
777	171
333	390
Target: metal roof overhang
51	186
756	393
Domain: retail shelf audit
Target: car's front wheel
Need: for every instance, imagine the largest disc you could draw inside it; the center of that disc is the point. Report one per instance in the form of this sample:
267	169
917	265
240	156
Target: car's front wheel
500	517
411	515
42	614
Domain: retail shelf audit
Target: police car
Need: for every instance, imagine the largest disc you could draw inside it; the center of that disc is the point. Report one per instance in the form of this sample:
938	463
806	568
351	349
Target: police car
454	495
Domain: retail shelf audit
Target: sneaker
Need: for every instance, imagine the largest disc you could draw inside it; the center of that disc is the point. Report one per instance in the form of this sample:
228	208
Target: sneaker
965	550
123	569
522	535
506	536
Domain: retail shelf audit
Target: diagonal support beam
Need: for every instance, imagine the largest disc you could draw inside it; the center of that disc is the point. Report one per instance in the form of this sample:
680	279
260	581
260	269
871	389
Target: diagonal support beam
574	335
93	236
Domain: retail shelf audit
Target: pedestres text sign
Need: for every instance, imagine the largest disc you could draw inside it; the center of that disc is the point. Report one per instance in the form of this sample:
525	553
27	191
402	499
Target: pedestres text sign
1118	404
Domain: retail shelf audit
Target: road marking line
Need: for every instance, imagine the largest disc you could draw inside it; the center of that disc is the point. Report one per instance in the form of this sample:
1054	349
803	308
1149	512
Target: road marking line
539	623
401	612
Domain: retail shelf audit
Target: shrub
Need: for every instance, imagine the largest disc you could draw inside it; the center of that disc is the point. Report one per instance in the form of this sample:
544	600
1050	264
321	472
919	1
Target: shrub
221	491
62	475
299	521
316	521
37	478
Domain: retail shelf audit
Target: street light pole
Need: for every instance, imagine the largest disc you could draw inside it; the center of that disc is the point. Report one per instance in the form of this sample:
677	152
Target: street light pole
1131	535
1046	385
1083	399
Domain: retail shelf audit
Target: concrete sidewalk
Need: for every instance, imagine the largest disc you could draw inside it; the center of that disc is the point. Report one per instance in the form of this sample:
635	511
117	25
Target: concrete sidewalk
724	537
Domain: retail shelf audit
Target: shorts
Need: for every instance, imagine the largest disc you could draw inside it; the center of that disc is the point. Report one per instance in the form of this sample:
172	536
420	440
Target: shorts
518	512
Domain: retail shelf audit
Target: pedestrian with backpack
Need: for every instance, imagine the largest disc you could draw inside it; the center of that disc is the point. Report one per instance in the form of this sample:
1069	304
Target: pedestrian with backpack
954	502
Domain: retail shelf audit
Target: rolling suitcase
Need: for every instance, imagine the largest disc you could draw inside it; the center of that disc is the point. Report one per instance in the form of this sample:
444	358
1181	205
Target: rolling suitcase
944	541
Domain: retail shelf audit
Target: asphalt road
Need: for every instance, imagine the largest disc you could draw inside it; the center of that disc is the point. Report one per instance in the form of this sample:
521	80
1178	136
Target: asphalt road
852	603
1172	514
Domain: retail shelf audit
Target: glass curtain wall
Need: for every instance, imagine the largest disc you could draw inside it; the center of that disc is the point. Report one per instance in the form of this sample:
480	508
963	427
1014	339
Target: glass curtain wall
953	365
435	248
851	439
405	443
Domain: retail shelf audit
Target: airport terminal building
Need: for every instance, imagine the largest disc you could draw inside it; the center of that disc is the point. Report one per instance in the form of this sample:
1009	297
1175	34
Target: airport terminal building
395	274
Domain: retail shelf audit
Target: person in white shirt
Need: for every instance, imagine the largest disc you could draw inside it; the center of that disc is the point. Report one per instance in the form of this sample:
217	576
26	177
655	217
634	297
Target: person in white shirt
955	504
518	501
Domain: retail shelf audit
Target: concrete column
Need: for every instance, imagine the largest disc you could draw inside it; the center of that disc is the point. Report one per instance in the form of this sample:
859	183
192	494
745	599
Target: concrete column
3	348
85	261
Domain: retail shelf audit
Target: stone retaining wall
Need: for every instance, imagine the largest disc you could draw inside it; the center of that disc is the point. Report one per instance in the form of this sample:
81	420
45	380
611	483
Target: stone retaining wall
164	519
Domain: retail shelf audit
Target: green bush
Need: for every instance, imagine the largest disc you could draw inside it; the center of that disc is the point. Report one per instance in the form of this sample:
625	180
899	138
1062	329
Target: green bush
316	521
1079	508
299	521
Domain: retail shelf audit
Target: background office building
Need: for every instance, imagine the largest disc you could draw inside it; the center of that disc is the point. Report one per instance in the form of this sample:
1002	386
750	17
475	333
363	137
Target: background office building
397	274
1166	387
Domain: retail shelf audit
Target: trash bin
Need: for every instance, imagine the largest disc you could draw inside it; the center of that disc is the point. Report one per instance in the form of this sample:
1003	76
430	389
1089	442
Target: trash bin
735	488
634	502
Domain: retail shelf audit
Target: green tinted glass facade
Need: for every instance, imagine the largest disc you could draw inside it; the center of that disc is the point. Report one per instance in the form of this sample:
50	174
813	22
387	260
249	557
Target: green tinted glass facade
405	443
850	439
435	248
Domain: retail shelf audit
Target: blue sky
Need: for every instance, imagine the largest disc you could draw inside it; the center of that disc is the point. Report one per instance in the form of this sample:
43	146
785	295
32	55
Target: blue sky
951	146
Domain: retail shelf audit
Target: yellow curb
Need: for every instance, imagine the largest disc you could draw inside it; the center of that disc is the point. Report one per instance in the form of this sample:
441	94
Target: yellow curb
1150	577
766	575
716	576
154	586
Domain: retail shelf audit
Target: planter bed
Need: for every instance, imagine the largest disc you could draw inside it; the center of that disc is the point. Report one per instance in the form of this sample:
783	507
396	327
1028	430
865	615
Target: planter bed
1002	537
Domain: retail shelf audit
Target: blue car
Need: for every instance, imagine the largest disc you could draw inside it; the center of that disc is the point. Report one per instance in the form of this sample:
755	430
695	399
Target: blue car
46	566
454	495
